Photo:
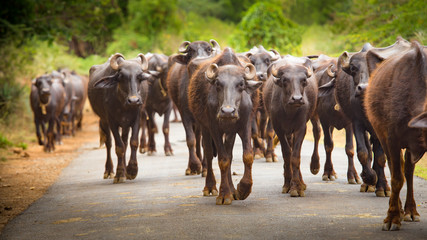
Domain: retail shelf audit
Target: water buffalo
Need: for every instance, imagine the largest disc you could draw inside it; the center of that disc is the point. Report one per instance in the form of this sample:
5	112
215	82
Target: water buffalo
115	96
73	112
47	102
220	98
396	106
158	101
290	96
331	117
350	83
180	69
261	59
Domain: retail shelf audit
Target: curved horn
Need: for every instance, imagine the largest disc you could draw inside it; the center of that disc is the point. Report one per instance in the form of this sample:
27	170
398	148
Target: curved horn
248	54
212	72
276	55
274	71
215	45
251	73
144	62
329	71
309	72
344	60
114	61
183	48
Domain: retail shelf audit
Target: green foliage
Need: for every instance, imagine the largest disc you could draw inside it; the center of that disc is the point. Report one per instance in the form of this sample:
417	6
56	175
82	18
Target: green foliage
22	145
380	22
4	142
264	23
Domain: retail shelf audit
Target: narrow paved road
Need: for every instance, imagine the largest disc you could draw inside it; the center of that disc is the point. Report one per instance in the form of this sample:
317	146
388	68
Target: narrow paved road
162	203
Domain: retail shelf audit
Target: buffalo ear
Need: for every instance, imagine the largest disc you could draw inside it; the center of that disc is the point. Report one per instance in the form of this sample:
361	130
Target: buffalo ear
326	89
419	121
252	86
344	62
373	60
181	59
149	77
106	82
154	73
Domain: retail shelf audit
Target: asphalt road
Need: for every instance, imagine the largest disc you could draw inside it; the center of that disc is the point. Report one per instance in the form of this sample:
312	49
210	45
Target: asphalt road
163	203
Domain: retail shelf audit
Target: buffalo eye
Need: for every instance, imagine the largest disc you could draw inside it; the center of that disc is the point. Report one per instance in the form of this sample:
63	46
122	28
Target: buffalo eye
218	85
141	77
304	82
241	86
267	61
209	49
353	69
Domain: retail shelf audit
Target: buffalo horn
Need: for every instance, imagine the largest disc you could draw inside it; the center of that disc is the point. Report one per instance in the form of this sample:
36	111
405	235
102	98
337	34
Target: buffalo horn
215	45
183	48
144	62
114	61
274	71
212	72
309	72
276	55
329	71
250	71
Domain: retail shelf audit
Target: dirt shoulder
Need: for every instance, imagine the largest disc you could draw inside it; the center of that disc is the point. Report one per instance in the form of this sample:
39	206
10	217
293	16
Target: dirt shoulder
25	176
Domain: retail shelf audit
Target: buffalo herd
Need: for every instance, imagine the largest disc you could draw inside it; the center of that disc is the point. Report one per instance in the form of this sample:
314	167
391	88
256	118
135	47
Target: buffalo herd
378	95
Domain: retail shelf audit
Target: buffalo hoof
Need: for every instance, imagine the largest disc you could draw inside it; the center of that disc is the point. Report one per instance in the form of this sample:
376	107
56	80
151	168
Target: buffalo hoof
380	192
388	226
108	175
285	189
188	172
119	180
411	217
329	177
168	153
142	150
151	153
243	190
275	159
367	188
204	172
269	159
224	200
354	181
210	192
296	193
258	154
314	165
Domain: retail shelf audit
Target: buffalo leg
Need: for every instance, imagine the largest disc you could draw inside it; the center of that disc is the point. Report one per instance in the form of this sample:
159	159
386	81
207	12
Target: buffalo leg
244	187
352	177
328	172
210	182
225	196
229	144
382	188
132	167
368	175
297	184
315	163
411	213
152	129
392	221
109	167
143	123
269	153
194	164
167	146
39	136
120	152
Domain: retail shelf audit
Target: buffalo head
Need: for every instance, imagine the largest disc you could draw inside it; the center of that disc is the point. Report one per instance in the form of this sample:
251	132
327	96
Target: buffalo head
262	59
127	76
292	75
43	85
230	82
190	50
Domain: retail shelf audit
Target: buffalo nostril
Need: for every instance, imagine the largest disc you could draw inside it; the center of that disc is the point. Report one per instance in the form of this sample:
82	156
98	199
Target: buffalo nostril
297	98
134	100
228	110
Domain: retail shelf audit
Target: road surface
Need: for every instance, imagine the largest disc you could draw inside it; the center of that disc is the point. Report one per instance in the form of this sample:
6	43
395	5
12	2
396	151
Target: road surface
163	203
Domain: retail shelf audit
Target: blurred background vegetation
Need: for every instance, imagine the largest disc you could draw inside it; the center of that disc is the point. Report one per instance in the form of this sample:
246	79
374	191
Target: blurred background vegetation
38	36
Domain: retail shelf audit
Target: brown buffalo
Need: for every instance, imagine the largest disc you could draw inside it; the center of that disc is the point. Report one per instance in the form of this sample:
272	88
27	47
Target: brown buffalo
47	100
220	98
180	70
331	117
396	106
158	101
115	96
290	96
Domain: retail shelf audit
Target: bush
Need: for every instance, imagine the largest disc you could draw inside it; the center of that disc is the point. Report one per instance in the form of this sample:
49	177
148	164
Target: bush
264	23
4	142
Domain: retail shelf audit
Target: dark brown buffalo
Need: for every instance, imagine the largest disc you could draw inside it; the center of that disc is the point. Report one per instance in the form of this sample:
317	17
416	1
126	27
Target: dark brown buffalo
220	95
331	117
350	84
73	112
180	69
158	101
115	96
290	96
47	102
396	106
261	59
